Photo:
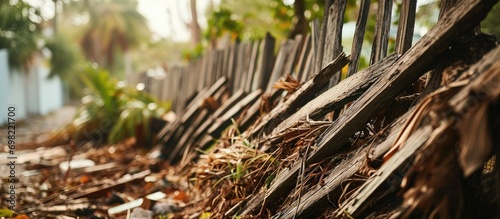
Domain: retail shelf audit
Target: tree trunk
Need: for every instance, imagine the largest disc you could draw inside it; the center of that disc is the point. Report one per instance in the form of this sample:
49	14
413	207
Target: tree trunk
194	25
54	20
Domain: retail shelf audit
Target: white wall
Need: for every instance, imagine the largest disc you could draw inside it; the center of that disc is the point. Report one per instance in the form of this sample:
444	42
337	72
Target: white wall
4	88
50	91
30	93
16	94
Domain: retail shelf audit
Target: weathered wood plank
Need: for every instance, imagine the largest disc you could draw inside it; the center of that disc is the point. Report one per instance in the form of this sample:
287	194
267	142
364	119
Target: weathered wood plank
224	120
194	107
300	97
253	113
336	97
199	126
379	47
252	67
406	25
414	142
406	70
319	36
483	80
359	35
318	196
293	55
202	129
303	58
279	64
215	124
232	66
266	62
179	146
333	39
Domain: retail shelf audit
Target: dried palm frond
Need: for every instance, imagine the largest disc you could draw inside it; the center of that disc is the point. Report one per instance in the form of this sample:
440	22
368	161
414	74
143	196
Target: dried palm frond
441	183
289	84
210	103
265	103
428	185
231	172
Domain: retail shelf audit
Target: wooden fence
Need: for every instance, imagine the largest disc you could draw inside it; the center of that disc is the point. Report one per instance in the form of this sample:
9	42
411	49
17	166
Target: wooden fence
237	84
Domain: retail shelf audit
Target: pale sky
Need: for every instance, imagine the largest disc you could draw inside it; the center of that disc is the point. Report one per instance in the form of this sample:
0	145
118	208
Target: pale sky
159	21
171	26
155	11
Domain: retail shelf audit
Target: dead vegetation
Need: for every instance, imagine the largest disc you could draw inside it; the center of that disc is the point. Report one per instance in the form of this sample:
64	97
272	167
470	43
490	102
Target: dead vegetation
415	135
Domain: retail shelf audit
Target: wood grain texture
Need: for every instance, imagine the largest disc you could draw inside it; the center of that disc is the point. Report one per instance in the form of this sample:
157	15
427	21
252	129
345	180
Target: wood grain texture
405	71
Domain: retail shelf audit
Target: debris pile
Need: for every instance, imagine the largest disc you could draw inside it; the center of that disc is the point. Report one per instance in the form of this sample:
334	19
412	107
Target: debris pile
257	136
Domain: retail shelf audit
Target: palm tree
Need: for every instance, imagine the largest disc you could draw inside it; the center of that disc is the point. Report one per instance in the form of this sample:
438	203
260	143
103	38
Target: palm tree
113	26
19	32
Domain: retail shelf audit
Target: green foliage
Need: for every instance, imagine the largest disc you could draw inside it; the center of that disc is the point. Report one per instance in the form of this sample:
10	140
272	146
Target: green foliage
111	107
223	20
194	53
113	27
65	57
19	31
492	24
250	20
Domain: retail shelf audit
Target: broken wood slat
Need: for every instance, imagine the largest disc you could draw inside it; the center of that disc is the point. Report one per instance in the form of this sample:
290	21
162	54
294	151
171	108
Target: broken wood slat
293	55
346	91
265	64
201	74
359	35
404	72
231	68
223	121
319	36
309	65
246	64
406	25
331	189
253	112
460	103
220	63
381	40
208	68
335	98
225	62
300	97
202	129
303	58
237	68
215	60
235	98
171	126
166	134
333	39
223	109
355	206
182	94
252	67
179	146
279	64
